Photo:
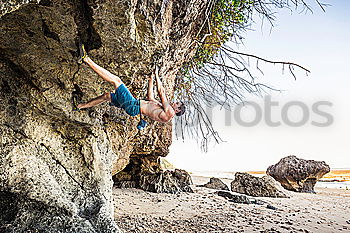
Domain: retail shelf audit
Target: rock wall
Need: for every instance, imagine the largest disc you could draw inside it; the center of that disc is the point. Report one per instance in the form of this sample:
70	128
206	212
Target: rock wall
7	6
55	164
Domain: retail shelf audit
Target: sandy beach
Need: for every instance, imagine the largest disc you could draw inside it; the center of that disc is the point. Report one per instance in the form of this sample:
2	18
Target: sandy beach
203	211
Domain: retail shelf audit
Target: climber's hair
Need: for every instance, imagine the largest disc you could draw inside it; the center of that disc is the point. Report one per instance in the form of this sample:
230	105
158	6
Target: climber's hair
182	108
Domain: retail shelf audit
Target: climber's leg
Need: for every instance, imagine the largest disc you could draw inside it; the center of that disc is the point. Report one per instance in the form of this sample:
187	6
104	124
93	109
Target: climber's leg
101	99
105	74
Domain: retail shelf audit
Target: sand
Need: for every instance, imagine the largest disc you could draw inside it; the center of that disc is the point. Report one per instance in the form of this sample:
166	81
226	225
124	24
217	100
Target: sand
203	211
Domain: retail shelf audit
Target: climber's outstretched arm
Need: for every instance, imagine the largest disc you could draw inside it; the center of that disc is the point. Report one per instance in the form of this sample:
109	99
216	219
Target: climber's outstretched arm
168	109
161	91
150	93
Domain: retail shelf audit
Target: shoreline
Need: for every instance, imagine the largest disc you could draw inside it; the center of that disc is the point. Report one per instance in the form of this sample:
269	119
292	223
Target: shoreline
323	183
339	178
204	211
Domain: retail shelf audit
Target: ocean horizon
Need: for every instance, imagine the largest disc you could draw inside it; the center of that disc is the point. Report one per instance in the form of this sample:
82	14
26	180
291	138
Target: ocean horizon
334	179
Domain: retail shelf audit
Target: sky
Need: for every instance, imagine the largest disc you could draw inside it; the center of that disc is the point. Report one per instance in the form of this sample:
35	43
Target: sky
320	41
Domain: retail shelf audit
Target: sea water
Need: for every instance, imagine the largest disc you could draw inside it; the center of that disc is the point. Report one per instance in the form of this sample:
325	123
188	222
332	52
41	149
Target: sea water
231	175
338	185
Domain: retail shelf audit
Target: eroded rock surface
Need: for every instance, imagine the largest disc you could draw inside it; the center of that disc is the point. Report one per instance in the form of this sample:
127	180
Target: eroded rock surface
257	187
55	164
166	182
7	6
297	174
145	173
215	183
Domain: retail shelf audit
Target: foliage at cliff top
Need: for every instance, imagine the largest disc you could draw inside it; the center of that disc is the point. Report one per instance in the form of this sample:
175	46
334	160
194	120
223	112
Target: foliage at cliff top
227	19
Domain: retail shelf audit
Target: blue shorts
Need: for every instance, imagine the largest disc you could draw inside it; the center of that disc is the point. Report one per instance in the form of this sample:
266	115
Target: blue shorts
122	98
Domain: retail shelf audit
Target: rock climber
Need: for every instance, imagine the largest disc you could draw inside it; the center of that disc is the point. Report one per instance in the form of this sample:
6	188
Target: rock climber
122	98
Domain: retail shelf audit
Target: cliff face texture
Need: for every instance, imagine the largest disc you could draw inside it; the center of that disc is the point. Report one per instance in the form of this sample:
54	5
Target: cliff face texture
56	165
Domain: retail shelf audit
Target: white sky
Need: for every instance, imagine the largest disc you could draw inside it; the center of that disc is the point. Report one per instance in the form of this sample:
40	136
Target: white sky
318	41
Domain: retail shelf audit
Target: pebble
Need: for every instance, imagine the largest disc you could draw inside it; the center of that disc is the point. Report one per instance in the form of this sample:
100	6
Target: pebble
271	207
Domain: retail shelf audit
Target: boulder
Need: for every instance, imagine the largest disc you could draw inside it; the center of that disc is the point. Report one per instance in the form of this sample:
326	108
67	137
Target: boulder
167	182
153	178
257	187
297	174
56	165
215	183
241	199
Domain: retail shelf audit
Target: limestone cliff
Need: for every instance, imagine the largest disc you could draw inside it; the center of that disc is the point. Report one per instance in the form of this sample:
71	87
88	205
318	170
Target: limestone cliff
56	165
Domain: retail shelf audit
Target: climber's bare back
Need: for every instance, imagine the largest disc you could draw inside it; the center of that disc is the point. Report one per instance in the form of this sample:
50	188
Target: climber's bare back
154	110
